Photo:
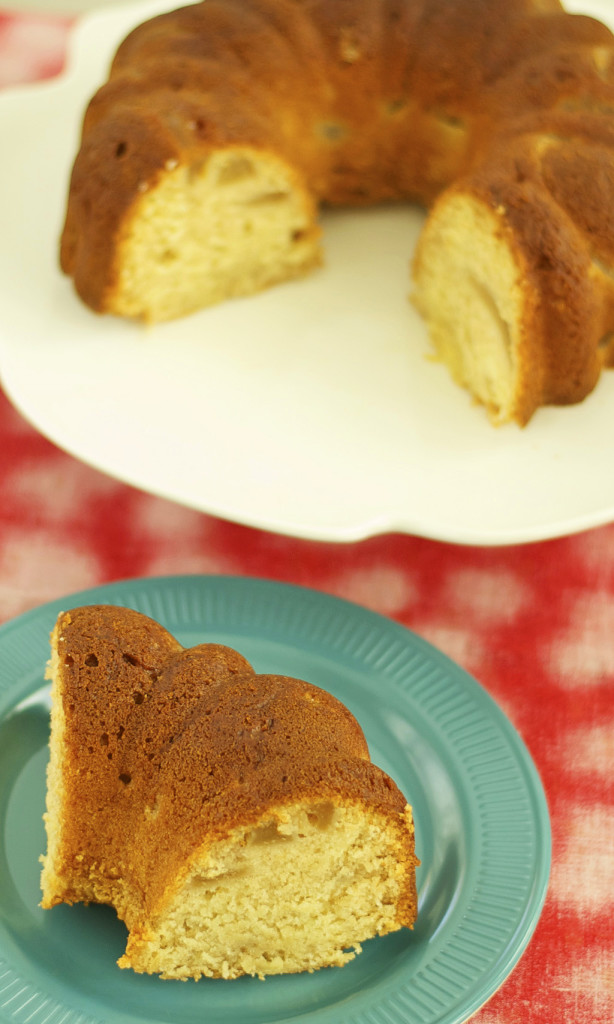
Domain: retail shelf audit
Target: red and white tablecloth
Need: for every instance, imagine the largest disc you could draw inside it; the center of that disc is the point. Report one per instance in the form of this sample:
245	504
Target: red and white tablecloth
534	623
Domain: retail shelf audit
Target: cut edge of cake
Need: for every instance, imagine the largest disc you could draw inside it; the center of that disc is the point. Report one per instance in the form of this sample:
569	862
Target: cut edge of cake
291	884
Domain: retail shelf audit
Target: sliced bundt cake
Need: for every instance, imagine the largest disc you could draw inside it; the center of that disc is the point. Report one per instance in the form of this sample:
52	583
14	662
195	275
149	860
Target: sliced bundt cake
225	124
234	820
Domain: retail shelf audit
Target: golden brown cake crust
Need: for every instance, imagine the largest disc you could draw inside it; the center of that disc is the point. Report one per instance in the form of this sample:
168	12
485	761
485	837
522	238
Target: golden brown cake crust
166	749
358	94
368	100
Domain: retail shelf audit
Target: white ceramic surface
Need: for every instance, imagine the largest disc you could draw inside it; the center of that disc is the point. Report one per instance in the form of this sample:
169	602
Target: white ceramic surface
312	409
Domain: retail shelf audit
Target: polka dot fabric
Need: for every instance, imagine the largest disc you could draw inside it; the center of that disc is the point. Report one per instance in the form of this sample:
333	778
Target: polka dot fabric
535	624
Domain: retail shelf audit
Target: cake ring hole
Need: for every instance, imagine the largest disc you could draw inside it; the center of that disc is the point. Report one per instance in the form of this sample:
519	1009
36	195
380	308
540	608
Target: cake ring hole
234	170
350	49
585	104
606	346
451	121
268	197
322	816
91	661
394	107
268	833
125	778
318	818
602	62
121	149
331	131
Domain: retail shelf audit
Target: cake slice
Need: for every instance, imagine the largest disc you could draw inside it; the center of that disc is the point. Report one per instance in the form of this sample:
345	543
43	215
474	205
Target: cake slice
234	820
515	301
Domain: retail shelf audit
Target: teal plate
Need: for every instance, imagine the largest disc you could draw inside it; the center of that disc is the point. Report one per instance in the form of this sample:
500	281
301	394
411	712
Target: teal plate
482	823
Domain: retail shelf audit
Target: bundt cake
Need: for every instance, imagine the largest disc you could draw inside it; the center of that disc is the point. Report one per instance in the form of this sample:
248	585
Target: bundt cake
224	125
233	820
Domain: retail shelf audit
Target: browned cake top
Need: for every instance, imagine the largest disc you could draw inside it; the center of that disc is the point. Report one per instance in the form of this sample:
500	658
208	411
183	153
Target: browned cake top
166	748
368	99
